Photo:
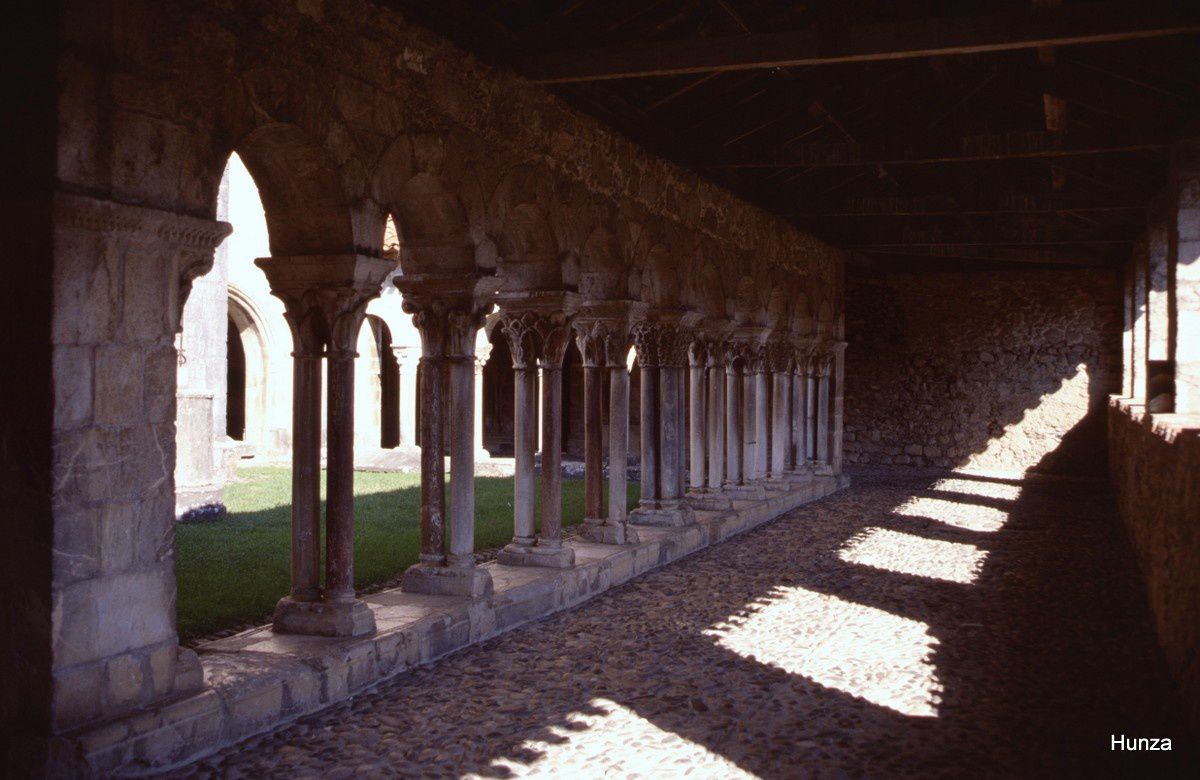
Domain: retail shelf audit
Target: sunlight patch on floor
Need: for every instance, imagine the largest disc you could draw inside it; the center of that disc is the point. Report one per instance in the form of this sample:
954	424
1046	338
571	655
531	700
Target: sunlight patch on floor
859	650
978	487
615	742
881	548
969	517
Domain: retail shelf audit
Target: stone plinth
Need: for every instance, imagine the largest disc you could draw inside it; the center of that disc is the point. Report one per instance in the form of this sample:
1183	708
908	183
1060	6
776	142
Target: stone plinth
260	680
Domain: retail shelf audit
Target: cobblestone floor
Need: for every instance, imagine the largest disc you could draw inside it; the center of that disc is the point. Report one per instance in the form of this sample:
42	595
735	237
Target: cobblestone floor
910	626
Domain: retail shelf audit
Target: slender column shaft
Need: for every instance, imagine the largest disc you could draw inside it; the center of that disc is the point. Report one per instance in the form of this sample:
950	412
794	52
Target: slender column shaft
762	407
681	445
669	433
593	443
747	428
649	424
618	442
339	502
550	532
716	427
433	466
733	446
462	460
698	427
837	412
306	477
780	442
810	416
823	420
524	400
796	416
477	406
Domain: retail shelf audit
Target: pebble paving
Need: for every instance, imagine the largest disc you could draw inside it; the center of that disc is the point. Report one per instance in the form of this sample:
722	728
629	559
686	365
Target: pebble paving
910	626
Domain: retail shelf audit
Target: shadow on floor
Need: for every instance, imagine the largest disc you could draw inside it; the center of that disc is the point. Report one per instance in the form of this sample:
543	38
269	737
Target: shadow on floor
911	626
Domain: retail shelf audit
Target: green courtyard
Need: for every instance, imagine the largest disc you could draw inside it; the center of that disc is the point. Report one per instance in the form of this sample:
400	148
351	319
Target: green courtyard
231	571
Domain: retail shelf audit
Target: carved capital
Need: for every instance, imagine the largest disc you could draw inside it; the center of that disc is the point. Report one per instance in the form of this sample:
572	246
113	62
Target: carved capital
780	356
325	297
537	325
448	310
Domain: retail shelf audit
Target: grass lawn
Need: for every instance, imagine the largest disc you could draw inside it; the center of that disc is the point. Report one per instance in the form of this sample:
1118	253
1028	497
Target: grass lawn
232	571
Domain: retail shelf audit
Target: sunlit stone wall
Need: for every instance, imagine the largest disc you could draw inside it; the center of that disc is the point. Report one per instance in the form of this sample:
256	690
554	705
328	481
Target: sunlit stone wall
1000	370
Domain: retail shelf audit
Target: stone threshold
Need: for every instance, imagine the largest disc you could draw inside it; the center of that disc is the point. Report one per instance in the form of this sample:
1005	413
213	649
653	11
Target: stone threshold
257	681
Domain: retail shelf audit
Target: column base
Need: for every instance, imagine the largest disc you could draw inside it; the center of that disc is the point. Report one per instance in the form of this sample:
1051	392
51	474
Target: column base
536	555
668	514
822	469
189	676
433	580
608	532
747	492
708	500
321	618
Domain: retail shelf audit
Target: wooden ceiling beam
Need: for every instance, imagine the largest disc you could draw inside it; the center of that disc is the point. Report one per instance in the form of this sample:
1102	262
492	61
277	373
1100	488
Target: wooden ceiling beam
1038	144
1070	25
935	206
984	255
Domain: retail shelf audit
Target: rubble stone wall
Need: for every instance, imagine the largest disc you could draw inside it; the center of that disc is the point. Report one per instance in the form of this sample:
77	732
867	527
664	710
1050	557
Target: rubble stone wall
1155	469
999	370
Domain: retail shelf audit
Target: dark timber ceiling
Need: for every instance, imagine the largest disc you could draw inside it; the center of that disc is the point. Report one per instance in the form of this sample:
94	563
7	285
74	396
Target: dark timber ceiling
987	132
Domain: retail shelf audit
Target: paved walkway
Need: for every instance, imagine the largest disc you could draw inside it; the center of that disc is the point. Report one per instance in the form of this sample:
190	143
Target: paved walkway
963	626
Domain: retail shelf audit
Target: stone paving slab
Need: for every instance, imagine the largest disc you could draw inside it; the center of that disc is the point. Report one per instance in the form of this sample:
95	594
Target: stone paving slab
786	653
258	680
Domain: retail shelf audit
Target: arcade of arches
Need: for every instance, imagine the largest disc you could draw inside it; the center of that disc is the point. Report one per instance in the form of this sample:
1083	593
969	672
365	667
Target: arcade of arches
321	233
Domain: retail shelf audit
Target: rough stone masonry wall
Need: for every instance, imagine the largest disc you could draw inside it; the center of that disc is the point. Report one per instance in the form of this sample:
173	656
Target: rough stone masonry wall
999	370
1156	473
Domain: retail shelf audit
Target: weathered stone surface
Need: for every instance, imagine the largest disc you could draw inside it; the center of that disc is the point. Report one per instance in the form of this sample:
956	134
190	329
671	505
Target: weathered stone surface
1155	468
990	370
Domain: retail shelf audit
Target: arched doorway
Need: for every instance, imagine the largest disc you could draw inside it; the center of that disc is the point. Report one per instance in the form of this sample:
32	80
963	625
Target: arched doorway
246	374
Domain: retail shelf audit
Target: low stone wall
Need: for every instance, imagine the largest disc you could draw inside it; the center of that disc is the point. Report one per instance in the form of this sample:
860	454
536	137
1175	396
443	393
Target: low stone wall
1154	464
257	680
999	370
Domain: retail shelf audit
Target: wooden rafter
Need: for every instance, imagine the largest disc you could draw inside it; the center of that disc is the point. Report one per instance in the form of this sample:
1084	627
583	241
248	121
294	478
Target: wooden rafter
1085	23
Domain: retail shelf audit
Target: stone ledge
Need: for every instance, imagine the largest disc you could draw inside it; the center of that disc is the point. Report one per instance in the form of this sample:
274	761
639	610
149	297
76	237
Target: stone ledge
257	681
1164	425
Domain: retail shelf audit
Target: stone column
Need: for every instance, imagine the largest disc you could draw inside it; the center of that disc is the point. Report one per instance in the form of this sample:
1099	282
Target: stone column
407	362
339	479
602	333
537	325
801	436
823	408
697	356
763	399
662	349
483	350
733	447
648	383
810	410
306	468
618	451
837	409
325	299
779	363
448	311
749	424
715	365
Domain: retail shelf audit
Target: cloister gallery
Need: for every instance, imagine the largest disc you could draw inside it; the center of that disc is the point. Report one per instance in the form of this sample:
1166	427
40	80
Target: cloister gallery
763	260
